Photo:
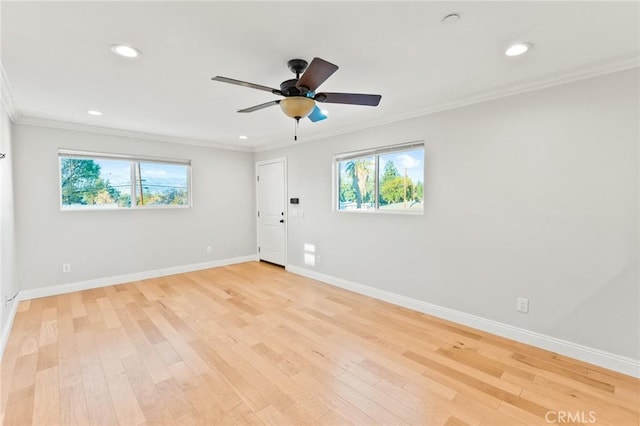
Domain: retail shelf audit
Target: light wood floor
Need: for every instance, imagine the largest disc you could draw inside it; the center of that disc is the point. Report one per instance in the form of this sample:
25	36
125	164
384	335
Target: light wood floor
251	343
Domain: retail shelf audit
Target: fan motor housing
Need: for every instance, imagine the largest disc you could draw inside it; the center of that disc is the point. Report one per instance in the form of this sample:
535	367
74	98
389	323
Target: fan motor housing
288	88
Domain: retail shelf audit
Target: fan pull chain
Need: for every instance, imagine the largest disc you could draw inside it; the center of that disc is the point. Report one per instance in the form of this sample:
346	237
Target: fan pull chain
295	130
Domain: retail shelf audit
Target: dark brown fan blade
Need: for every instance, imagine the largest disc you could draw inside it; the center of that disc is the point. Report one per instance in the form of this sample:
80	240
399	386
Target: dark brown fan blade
261	106
319	70
348	98
245	84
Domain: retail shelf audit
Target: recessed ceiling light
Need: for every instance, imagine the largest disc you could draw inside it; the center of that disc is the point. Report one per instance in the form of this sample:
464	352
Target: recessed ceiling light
126	51
518	49
94	112
324	111
451	18
243	137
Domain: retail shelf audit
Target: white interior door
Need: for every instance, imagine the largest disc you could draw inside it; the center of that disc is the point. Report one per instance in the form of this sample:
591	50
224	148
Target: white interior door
271	200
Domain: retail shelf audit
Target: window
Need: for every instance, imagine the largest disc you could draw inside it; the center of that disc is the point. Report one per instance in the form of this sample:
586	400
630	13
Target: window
109	181
388	179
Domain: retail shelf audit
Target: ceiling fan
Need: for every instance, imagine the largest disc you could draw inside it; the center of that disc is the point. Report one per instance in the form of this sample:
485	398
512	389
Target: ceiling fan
299	93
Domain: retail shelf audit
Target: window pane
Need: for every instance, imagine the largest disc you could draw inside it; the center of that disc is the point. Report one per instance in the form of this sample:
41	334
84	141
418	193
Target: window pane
95	183
162	184
401	180
356	186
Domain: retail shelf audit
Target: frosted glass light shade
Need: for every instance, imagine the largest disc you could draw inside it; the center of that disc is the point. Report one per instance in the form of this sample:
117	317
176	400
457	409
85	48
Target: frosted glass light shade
297	106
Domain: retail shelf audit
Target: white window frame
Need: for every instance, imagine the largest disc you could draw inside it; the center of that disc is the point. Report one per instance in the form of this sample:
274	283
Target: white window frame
133	161
375	152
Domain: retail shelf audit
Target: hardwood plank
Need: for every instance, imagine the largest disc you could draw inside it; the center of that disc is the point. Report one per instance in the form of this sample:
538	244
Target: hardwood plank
273	417
339	403
174	398
19	410
108	314
49	326
183	348
454	421
253	344
240	415
252	396
47	356
125	402
167	354
581	377
99	406
203	400
110	361
474	411
47	398
25	371
73	404
78	308
183	376
304	401
149	398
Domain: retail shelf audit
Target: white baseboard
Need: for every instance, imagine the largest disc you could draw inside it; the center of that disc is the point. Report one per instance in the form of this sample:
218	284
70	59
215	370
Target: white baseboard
6	329
120	279
597	357
103	282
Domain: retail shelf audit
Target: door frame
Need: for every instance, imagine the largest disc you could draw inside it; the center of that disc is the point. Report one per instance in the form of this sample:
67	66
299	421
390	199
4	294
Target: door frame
282	160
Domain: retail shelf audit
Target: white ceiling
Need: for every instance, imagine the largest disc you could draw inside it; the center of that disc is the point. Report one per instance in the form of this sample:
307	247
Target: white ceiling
57	59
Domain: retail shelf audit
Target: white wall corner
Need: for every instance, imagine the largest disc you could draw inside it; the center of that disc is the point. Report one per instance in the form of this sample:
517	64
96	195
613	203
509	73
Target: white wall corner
7	96
593	356
6	329
55	290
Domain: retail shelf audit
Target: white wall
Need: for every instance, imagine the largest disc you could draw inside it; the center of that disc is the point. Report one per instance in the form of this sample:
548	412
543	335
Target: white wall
8	280
535	195
101	244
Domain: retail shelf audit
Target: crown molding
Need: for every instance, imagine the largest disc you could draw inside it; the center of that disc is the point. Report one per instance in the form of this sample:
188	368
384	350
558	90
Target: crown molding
594	69
566	76
7	95
111	131
591	70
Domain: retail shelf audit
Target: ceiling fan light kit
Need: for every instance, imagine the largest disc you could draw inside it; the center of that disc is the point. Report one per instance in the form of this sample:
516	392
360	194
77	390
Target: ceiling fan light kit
297	106
299	93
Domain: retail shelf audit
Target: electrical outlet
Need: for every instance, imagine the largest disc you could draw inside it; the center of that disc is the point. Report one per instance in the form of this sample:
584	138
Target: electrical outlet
209	249
522	305
66	267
